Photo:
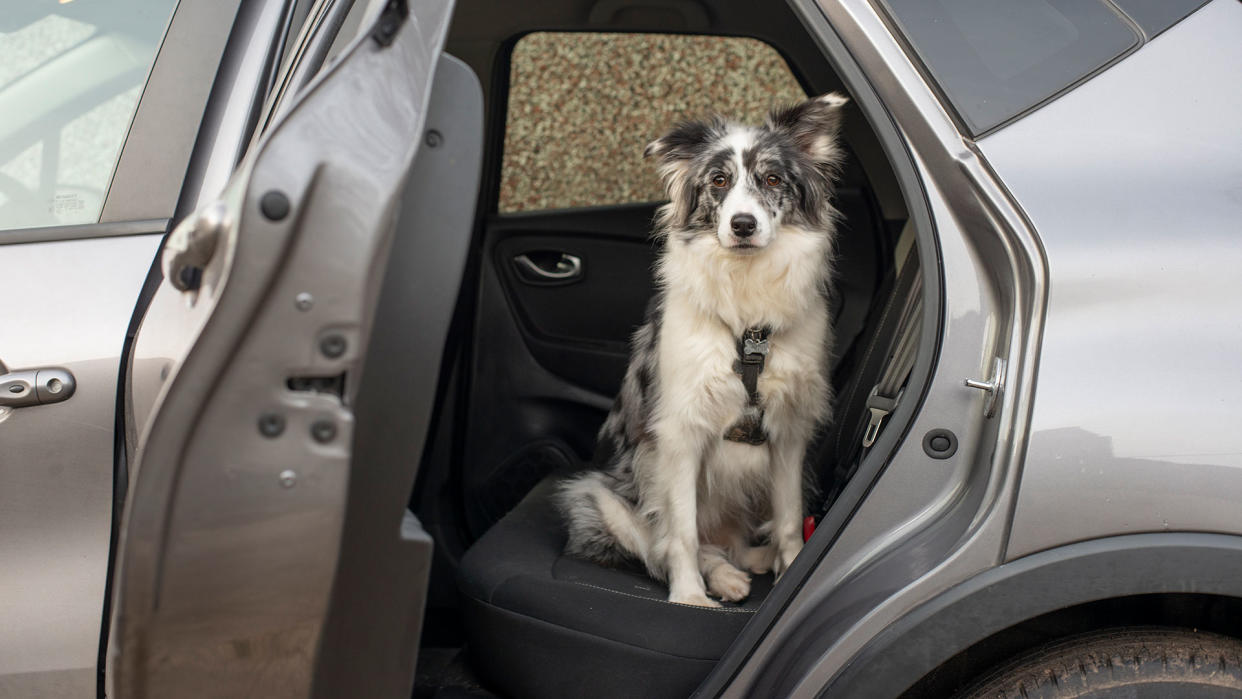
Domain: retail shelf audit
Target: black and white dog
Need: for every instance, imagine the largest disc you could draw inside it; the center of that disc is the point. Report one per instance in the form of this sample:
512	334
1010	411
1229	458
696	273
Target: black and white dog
702	453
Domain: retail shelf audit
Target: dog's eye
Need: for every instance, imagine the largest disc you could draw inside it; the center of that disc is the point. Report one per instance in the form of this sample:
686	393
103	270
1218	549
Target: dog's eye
719	180
773	180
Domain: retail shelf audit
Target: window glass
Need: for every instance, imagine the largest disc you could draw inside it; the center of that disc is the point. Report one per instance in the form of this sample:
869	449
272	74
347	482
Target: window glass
583	106
71	73
994	59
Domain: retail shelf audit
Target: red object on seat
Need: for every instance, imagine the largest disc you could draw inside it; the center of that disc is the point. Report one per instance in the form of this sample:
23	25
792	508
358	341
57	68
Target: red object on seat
808	528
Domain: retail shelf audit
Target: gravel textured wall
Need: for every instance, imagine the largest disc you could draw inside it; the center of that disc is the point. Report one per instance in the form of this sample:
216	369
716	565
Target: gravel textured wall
583	106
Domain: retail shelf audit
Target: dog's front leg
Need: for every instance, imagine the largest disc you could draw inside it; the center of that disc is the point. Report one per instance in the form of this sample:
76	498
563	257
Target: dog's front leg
787	502
678	473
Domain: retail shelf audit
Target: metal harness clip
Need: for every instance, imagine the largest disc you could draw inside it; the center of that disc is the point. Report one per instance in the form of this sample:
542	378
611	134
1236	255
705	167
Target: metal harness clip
754	346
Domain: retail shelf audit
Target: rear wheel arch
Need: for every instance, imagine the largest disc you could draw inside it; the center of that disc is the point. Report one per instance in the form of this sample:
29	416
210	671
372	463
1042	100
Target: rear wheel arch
1174	580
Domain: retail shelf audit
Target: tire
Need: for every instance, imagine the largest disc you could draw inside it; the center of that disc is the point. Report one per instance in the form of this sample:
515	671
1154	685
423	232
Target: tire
1130	663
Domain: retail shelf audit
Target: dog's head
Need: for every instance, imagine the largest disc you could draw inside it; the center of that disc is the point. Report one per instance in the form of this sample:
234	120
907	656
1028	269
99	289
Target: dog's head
743	183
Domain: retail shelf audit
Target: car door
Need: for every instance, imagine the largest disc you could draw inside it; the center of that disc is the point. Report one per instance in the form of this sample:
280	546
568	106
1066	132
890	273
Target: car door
87	91
246	375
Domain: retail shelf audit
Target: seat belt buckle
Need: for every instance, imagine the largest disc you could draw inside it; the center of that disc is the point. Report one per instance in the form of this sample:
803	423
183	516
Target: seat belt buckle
880	407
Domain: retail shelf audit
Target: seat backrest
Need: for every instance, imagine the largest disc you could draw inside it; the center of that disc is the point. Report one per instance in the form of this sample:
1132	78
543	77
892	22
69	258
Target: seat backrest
859	265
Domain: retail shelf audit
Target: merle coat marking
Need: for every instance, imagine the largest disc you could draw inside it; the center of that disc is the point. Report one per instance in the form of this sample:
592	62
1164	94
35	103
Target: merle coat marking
748	239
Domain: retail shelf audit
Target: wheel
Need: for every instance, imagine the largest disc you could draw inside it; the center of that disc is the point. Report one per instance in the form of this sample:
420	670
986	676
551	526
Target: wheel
1130	663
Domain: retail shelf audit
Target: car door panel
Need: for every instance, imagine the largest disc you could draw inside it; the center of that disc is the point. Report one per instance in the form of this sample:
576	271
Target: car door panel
580	328
549	357
56	502
237	497
377	598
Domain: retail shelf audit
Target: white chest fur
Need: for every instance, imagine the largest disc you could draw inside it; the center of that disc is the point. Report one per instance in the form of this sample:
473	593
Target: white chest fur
712	296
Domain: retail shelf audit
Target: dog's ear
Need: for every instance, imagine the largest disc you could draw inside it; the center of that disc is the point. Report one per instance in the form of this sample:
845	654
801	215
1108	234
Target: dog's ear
674	153
813	125
682	142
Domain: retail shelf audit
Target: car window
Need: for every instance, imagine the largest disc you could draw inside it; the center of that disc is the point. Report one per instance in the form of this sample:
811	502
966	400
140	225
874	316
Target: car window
582	106
994	59
71	74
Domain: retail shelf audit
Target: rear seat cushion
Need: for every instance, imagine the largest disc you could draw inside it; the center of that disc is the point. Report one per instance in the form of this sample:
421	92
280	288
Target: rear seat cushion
540	623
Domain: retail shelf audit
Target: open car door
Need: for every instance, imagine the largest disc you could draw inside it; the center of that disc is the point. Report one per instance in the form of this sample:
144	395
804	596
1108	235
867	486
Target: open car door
247	500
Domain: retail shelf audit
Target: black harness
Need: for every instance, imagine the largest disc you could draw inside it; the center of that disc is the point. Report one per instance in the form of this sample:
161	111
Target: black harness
752	352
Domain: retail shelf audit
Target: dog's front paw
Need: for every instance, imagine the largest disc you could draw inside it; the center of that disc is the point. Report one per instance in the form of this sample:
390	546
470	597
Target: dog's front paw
697	599
785	556
728	583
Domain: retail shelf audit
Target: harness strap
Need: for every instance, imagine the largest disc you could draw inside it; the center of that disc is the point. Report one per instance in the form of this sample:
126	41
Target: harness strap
752	353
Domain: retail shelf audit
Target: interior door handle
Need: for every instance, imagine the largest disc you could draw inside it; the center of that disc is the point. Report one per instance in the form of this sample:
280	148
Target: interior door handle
558	270
20	389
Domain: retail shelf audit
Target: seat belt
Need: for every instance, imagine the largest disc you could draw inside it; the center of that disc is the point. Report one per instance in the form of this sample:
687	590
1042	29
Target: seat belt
904	320
886	393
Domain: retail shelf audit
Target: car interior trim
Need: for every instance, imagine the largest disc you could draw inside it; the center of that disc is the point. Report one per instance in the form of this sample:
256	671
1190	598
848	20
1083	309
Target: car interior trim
394	404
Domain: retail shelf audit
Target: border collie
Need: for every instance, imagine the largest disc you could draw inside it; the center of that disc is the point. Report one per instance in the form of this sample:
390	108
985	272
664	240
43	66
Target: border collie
701	457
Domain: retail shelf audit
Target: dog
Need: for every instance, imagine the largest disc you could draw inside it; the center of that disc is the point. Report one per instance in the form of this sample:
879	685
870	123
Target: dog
700	475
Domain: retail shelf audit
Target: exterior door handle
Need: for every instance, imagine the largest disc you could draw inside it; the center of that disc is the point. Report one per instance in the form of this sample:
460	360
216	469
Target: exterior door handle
564	269
19	389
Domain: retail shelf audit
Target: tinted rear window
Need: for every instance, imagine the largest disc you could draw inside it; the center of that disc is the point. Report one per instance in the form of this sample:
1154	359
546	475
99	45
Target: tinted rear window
994	59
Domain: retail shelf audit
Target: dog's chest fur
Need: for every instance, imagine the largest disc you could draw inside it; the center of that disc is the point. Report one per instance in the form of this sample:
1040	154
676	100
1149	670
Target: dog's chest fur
712	296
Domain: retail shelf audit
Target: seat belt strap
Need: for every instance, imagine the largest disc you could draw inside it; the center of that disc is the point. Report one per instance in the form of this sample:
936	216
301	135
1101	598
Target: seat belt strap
886	393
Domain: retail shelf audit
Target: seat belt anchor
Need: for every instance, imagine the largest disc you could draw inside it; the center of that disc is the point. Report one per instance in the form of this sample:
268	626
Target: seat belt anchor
880	407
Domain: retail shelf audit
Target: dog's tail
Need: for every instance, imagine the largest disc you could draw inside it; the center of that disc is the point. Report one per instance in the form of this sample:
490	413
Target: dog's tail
603	526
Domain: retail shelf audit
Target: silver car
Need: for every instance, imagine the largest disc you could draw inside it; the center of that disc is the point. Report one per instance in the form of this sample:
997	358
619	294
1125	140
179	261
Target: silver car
308	303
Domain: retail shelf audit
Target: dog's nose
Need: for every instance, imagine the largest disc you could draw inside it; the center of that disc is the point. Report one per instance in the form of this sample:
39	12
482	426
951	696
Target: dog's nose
743	225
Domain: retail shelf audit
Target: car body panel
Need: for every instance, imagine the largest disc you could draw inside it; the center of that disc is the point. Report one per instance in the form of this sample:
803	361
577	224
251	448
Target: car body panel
230	541
65	304
1134	182
67	297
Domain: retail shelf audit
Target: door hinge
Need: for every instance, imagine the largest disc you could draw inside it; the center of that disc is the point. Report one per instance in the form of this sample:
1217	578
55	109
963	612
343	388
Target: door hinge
191	246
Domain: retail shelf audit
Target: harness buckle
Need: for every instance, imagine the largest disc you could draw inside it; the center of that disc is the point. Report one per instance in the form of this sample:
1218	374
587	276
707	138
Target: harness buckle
754	346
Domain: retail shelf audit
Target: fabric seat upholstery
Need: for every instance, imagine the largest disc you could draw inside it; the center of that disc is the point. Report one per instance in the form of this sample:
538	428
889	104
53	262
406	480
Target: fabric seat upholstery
543	624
